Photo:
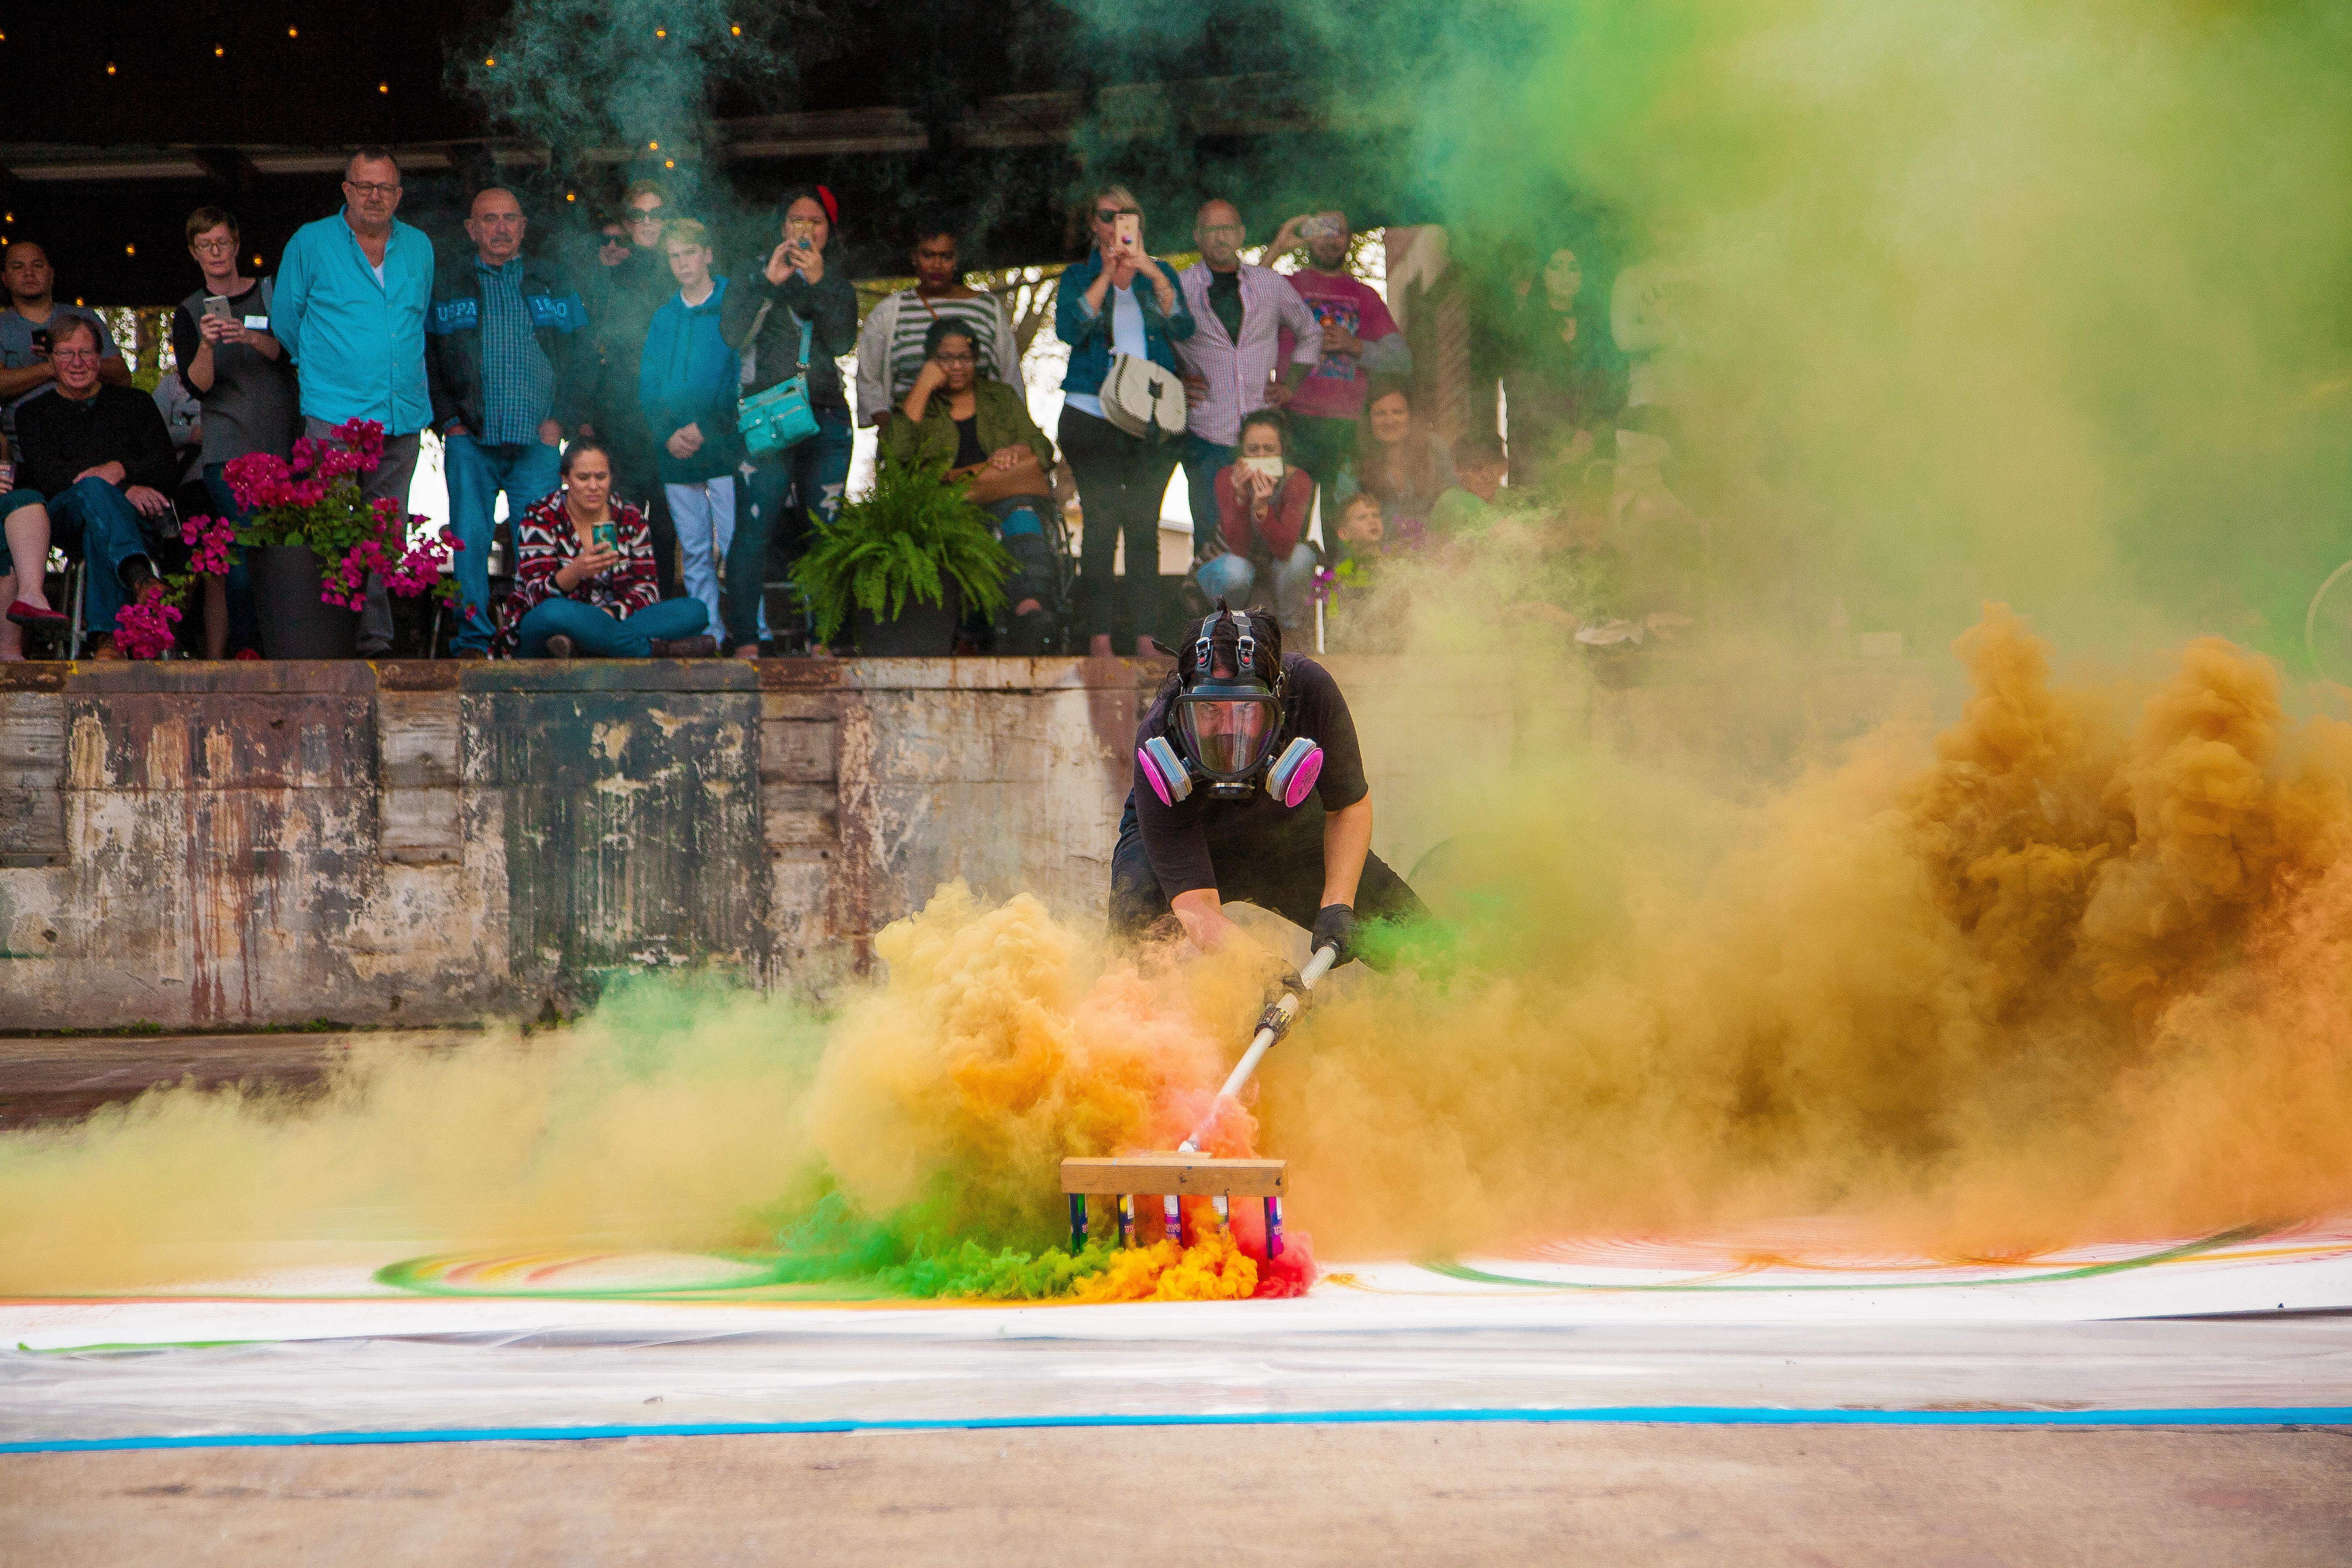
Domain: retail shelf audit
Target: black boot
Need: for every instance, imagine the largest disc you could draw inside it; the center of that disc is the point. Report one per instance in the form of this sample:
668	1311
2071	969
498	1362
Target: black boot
702	646
560	646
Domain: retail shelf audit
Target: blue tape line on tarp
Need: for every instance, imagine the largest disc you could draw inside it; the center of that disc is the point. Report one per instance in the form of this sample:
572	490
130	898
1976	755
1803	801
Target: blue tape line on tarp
1663	1415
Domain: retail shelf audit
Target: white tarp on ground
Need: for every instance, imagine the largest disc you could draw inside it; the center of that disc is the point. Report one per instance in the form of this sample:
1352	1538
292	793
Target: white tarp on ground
1799	1316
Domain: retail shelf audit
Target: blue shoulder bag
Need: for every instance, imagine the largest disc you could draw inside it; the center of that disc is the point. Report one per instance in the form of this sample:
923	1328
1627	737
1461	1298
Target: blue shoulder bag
780	416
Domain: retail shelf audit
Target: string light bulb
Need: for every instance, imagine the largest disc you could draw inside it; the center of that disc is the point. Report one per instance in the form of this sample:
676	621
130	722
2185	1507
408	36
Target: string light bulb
384	87
293	32
669	162
653	146
110	68
218	51
570	196
737	30
661	32
257	262
130	250
492	60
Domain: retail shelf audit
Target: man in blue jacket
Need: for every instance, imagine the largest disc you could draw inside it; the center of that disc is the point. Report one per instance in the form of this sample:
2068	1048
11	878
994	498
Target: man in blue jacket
350	310
502	349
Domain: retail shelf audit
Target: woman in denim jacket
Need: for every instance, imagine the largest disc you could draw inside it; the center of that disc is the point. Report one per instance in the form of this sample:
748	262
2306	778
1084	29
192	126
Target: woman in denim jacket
1121	302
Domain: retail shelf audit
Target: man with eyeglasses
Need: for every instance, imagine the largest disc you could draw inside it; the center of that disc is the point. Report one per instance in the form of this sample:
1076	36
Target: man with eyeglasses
353	291
627	291
101	455
237	371
1240	312
499	351
27	324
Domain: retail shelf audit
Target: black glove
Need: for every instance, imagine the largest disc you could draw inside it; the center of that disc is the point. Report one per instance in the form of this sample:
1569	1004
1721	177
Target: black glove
1335	927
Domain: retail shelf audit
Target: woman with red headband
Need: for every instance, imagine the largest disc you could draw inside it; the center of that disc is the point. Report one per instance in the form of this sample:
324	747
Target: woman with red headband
796	291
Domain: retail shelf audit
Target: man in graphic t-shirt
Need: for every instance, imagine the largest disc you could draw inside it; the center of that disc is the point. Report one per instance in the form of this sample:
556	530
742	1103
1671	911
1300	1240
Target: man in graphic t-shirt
1361	340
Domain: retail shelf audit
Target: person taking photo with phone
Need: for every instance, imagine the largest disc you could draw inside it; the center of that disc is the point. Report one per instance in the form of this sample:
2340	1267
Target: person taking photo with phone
1262	503
792	293
237	371
585	584
1361	340
1119	302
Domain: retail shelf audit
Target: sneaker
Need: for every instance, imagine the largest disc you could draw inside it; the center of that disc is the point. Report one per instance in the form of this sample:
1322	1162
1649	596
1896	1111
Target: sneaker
704	646
560	646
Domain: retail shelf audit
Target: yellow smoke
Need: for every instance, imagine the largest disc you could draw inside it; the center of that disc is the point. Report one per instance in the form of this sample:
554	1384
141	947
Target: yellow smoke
2073	967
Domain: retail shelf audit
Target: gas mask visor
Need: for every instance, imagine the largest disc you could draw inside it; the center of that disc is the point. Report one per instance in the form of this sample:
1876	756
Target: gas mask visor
1228	726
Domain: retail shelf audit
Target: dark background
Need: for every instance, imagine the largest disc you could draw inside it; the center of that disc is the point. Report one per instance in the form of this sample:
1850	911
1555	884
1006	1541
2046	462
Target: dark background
365	71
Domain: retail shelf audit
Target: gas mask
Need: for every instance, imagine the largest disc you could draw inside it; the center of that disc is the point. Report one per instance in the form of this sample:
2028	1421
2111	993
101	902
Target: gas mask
1224	717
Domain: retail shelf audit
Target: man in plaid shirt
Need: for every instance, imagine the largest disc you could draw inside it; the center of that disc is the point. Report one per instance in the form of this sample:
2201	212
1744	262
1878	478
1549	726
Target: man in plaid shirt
1229	360
500	343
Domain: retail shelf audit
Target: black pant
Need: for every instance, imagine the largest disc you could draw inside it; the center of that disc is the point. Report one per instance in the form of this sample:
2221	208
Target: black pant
1121	479
1286	881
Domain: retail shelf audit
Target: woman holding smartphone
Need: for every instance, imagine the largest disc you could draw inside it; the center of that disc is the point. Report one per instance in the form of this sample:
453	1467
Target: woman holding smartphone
796	291
584	583
1262	506
1119	300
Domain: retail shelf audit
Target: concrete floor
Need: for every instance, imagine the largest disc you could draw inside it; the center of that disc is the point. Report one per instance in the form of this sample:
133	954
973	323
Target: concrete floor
1488	1492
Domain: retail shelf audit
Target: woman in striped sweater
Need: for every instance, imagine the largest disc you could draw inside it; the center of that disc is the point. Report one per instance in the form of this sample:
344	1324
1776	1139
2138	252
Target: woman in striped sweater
585	584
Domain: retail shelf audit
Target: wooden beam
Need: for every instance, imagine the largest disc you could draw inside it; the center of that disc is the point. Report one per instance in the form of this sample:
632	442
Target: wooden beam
1196	1175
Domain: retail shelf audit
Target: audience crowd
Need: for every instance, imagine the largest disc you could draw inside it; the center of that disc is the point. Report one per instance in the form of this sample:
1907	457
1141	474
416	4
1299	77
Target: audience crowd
608	410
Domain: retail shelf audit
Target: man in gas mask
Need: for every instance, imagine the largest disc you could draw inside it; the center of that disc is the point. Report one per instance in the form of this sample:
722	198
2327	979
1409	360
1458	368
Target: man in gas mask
1249	786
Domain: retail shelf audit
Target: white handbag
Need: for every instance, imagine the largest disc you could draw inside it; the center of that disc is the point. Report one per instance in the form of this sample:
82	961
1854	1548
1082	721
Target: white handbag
1142	399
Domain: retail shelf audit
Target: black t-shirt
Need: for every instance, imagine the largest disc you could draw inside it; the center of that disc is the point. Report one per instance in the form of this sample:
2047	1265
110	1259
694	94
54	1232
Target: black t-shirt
1185	840
968	447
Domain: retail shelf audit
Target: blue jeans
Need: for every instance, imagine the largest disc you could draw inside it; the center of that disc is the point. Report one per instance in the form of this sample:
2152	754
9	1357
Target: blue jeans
110	534
1231	577
1202	458
476	473
599	635
244	620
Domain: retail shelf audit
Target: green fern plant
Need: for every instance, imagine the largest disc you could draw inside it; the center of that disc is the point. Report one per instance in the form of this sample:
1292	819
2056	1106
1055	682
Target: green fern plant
910	535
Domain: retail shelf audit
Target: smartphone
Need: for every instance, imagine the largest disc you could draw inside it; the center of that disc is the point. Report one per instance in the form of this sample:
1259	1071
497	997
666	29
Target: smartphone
606	536
801	231
41	342
1127	233
1272	468
1320	227
216	305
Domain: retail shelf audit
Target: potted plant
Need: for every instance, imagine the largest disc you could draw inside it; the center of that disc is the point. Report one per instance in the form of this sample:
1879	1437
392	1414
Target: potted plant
311	539
912	537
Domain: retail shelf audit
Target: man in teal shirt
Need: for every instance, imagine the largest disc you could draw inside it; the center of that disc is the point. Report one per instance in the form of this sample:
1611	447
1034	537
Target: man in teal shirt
350	309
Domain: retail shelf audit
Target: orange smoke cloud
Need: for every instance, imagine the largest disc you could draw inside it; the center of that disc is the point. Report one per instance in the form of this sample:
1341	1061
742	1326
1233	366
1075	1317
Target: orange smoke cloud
2075	966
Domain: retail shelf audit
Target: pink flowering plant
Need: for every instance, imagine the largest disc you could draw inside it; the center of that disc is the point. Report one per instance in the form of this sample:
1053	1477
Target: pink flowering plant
314	500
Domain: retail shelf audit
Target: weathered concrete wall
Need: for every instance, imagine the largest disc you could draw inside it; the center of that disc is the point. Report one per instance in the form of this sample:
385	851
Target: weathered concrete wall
225	846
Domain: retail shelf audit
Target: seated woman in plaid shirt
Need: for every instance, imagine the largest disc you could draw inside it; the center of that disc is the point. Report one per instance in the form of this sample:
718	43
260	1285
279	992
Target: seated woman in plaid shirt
584	583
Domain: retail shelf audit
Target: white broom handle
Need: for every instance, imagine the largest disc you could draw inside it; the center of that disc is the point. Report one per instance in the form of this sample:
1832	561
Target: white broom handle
1316	968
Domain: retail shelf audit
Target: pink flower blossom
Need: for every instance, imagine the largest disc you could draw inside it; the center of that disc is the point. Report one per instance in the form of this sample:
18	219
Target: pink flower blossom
144	630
